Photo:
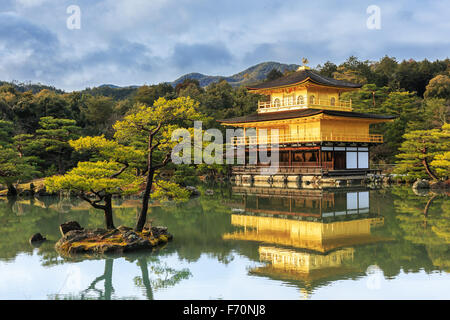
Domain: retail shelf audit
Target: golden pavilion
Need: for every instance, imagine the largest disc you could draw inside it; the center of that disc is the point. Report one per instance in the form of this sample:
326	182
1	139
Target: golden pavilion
317	131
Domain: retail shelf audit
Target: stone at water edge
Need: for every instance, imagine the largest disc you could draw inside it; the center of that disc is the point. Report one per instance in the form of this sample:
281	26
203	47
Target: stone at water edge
194	191
69	226
421	184
37	237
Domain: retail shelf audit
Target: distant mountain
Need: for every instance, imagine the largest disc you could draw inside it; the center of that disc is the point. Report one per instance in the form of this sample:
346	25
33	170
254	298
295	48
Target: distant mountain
28	86
253	74
112	86
113	91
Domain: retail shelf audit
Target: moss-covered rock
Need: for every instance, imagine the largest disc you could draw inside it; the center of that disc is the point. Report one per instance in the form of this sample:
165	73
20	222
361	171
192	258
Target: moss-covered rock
120	240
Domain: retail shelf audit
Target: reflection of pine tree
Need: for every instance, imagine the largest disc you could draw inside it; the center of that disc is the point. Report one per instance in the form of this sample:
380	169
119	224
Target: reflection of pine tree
165	276
106	294
160	276
426	221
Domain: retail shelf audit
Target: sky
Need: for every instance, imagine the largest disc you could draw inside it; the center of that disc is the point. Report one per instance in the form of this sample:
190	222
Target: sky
135	42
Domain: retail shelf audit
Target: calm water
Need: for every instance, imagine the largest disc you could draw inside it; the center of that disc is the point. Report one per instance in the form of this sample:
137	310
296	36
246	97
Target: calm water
242	244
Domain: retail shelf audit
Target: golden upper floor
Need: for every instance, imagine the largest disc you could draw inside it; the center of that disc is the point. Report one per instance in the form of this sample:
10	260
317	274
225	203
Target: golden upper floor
303	89
307	125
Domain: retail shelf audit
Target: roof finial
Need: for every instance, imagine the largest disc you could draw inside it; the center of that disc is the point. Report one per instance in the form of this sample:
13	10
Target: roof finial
304	66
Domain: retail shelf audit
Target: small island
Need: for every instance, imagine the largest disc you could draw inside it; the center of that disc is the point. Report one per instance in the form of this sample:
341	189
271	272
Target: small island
77	240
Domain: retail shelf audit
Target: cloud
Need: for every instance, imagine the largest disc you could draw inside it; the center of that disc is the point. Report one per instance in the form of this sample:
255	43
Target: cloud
191	56
140	41
26	49
31	3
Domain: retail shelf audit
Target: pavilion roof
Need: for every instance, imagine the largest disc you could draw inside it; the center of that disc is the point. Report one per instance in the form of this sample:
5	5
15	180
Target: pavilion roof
282	115
302	76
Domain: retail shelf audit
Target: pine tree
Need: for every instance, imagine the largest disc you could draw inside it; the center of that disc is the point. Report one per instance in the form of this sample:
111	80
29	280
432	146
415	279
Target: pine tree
425	153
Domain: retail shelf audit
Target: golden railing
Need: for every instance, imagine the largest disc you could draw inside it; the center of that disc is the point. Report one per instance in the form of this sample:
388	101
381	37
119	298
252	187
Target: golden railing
294	138
286	104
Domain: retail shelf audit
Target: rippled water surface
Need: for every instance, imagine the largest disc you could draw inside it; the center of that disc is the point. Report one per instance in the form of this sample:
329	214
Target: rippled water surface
242	243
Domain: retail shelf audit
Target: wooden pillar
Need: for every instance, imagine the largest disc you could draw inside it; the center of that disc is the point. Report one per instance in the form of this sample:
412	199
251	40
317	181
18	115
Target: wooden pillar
320	157
332	159
290	158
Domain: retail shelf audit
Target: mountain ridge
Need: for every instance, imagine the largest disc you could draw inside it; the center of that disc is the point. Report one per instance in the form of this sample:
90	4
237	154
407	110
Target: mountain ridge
252	74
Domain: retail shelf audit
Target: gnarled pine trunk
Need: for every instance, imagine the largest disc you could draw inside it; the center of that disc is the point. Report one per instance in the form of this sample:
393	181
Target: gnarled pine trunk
145	199
428	170
148	188
107	207
12	191
108	212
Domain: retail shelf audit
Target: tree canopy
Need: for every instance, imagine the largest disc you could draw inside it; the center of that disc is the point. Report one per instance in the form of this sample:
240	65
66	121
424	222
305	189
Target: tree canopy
425	153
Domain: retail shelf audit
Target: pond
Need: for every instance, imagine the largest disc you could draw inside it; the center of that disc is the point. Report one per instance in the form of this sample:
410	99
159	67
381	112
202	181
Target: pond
242	243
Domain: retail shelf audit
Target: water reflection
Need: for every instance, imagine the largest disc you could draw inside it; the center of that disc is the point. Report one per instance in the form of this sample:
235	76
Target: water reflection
154	275
311	237
240	243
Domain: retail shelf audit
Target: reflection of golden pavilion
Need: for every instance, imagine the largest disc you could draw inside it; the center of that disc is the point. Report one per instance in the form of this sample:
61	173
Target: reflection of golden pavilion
310	237
307	267
304	266
321	223
305	262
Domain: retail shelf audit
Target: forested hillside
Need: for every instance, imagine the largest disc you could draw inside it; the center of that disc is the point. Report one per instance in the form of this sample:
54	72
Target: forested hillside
37	121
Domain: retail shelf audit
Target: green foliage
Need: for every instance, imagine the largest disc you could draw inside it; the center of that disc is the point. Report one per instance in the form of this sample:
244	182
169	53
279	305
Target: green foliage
15	169
165	116
6	130
51	141
185	175
405	105
369	98
328	69
147	95
149	129
421	149
98	113
169	191
116	93
187	83
102	149
220	101
97	109
436	111
441	163
95	177
438	87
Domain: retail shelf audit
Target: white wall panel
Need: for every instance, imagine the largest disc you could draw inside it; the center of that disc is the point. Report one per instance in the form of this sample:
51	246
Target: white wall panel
352	158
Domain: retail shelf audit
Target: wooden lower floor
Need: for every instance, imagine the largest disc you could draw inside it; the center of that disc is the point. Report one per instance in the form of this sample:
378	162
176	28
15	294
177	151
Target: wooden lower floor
300	170
308	160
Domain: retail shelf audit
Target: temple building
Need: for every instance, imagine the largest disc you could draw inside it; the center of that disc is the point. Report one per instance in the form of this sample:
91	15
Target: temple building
318	134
